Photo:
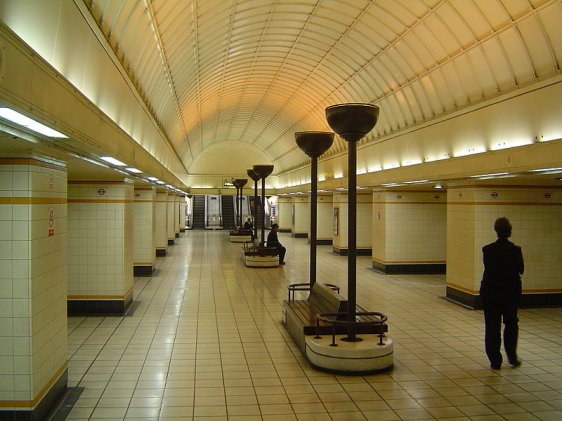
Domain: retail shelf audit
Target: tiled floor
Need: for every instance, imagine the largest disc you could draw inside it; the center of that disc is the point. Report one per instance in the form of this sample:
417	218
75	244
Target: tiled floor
207	343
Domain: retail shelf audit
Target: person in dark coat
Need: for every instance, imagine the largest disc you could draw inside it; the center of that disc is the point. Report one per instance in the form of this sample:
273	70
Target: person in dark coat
248	224
501	292
273	241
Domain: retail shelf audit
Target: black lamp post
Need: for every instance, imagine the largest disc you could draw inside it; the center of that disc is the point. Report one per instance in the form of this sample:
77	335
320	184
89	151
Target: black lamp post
352	122
239	183
314	144
254	176
263	171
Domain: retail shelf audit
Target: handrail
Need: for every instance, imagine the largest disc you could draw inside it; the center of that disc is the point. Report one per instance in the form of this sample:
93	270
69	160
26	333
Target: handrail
324	317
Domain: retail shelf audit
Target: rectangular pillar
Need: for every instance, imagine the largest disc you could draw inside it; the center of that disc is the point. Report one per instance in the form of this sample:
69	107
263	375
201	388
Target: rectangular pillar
100	218
409	231
176	215
170	221
324	209
284	212
301	216
535	213
364	221
33	277
161	225
183	208
144	231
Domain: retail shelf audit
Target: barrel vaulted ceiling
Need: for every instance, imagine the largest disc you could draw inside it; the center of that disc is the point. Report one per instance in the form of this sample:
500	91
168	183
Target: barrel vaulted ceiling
257	71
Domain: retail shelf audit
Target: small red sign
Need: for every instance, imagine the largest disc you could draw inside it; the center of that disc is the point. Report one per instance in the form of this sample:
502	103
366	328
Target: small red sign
51	232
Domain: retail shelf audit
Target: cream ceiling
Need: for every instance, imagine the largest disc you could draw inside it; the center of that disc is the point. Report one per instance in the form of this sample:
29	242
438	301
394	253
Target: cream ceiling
257	71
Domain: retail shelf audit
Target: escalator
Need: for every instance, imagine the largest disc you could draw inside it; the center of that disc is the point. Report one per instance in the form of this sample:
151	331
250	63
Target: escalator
199	211
228	221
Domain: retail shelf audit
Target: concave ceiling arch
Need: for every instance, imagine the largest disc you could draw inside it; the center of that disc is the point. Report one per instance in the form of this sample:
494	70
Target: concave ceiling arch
257	71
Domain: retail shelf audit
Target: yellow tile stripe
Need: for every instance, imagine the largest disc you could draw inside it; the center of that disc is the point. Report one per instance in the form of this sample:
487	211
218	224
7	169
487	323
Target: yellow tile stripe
41	394
99	201
33	201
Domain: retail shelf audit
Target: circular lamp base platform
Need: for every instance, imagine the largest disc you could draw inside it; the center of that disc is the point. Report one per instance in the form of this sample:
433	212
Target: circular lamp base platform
240	238
366	356
260	261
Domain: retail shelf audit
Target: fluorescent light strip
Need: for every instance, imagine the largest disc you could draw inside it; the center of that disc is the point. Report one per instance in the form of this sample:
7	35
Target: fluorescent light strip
152	178
498	174
30	124
134	170
548	169
113	161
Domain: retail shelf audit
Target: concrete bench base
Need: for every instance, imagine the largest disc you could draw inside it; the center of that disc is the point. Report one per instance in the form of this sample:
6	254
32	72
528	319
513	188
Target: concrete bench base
240	238
260	261
366	356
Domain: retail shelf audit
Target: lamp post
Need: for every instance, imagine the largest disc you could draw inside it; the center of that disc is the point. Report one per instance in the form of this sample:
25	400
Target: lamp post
254	176
239	183
314	144
263	171
352	122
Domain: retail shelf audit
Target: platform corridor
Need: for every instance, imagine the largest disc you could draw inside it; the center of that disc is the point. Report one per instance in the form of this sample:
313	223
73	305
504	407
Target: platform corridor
206	343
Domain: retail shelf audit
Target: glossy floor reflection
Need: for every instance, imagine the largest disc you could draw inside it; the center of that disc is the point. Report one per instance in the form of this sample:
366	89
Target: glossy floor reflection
207	343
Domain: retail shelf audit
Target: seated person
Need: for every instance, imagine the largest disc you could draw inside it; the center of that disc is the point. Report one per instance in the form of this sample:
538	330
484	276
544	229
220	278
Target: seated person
248	224
273	241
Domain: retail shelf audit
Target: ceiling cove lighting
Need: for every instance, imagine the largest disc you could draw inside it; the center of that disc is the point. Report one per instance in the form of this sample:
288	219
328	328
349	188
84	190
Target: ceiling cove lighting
159	182
134	170
553	170
151	178
30	124
113	161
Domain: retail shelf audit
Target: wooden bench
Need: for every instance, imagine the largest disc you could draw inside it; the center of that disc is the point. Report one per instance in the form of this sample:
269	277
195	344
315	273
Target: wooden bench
300	315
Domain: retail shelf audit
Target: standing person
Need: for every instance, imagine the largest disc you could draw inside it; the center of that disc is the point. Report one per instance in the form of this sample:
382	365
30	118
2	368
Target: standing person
501	292
273	241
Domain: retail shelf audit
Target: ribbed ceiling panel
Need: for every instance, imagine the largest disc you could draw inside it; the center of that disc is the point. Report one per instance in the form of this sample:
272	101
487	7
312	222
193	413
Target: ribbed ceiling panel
257	71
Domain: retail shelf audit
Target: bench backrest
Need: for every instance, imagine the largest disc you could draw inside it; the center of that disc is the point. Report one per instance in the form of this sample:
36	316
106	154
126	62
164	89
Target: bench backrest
326	299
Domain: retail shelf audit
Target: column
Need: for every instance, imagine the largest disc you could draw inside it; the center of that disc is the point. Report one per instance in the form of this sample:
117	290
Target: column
144	231
161	211
100	221
181	216
176	215
364	221
170	226
409	231
33	277
325	212
535	213
284	213
301	216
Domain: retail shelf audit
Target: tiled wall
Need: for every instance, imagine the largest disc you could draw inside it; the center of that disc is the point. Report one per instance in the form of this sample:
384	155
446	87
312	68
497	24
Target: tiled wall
302	216
33	277
161	210
409	227
100	218
535	214
144	228
363	218
284	210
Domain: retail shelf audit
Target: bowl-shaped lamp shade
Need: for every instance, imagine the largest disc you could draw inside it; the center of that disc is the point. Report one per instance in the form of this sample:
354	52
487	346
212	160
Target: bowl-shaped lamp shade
252	174
314	144
263	170
239	182
352	121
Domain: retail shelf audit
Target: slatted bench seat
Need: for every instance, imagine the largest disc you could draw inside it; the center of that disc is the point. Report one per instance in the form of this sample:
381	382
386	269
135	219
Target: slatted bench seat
300	315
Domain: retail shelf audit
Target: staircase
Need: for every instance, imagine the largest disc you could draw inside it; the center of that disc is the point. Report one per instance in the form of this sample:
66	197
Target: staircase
227	203
199	211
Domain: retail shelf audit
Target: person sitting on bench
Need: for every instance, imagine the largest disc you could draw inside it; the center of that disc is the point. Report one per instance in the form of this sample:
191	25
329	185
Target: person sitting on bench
273	241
